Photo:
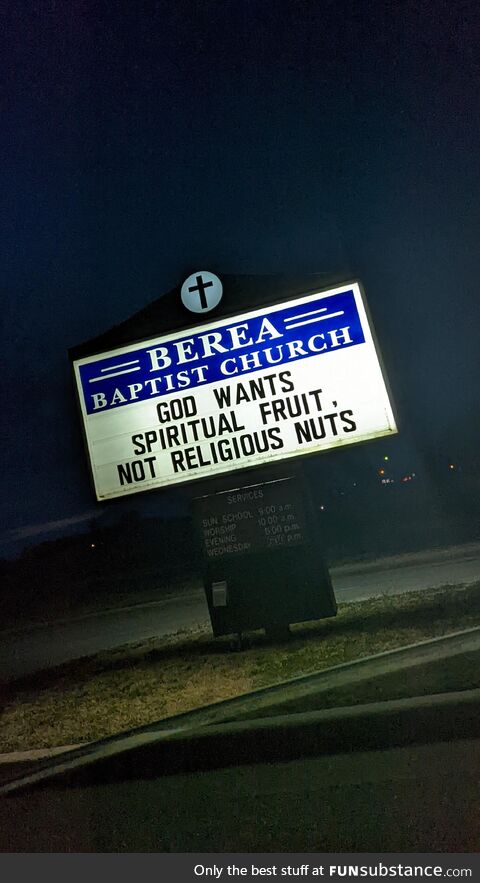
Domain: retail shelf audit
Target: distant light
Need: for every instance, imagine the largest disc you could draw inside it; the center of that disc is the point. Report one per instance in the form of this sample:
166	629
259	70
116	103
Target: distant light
322	508
92	545
381	471
386	459
451	466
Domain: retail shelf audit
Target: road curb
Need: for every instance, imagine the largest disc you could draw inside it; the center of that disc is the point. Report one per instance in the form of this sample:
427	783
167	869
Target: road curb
370	727
18	757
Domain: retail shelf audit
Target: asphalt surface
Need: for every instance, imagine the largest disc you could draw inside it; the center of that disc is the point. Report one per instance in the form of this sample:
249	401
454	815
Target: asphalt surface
40	647
419	798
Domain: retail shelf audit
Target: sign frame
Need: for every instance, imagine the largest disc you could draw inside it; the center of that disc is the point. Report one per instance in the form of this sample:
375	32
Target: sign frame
222	313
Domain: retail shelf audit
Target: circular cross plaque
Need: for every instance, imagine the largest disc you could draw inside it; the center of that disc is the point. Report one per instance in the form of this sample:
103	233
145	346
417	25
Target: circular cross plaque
201	292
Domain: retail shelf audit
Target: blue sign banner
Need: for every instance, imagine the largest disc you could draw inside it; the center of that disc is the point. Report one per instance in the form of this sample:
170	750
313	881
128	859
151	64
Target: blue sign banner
220	351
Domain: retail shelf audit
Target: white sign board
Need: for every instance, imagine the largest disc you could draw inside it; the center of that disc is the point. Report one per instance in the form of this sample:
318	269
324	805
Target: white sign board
278	382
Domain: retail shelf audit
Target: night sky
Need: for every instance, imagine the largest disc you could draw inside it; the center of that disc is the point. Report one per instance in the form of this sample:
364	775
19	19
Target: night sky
141	141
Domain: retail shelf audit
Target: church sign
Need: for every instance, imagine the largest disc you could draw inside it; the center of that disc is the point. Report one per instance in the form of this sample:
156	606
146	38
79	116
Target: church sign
274	383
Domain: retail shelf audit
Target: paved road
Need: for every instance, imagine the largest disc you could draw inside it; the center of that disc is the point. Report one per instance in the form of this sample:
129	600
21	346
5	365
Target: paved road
418	798
410	578
45	646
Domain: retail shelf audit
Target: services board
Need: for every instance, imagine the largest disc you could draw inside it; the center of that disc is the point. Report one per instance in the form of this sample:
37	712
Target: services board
253	519
278	382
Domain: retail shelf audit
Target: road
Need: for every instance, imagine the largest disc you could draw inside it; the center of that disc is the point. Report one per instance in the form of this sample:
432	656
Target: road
413	799
40	647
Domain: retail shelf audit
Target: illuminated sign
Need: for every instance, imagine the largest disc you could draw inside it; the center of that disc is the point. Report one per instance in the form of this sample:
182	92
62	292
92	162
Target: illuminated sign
281	381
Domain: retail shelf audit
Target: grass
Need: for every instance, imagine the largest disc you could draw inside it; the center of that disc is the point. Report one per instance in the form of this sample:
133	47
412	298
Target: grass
139	684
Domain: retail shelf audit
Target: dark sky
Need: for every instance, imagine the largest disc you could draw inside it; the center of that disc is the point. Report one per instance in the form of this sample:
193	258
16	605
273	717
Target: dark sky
142	140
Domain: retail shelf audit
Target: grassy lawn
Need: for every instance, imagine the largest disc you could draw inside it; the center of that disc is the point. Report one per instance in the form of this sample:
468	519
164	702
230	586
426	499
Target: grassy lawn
139	684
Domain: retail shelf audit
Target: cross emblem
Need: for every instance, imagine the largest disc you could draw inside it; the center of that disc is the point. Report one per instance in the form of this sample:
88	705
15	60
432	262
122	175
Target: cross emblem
200	287
201	292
